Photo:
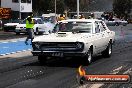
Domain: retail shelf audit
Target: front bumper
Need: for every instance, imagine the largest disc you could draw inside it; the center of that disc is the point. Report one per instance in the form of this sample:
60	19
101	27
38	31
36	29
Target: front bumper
58	53
9	28
21	31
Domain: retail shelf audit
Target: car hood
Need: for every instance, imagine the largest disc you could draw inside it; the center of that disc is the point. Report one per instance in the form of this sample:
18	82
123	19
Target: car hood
62	37
21	25
10	24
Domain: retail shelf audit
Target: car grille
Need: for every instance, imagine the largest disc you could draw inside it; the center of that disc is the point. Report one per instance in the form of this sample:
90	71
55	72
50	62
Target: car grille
59	46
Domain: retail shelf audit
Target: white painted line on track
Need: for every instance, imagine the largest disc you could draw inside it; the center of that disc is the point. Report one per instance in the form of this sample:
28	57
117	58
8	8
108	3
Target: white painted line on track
15	52
3	42
7	53
12	40
19	51
24	50
2	54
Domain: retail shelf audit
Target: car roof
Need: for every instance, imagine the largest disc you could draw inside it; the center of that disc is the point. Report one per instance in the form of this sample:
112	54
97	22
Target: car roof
80	20
36	18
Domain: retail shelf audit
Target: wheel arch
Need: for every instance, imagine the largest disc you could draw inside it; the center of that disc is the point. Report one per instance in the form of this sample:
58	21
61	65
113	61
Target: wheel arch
36	28
91	48
111	41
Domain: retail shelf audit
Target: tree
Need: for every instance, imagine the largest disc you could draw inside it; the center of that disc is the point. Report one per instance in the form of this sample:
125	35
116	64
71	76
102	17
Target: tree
71	4
60	5
48	6
122	7
41	6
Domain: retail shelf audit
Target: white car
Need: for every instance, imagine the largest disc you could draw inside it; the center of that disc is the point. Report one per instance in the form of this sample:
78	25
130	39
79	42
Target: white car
110	23
116	22
11	25
120	22
75	37
39	28
123	22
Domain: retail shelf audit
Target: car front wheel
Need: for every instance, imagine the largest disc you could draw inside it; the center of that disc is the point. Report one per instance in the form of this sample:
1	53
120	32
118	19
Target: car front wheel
108	51
37	31
89	57
117	24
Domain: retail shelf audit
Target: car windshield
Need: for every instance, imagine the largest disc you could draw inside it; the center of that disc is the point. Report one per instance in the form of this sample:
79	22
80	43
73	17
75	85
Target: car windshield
38	21
48	19
14	21
78	27
23	22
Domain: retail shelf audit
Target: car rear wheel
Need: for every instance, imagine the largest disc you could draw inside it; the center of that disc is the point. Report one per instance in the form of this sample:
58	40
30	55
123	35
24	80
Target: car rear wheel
42	59
108	51
124	24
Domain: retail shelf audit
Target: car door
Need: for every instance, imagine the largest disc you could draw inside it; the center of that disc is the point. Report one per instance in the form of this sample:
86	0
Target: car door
40	24
97	38
104	35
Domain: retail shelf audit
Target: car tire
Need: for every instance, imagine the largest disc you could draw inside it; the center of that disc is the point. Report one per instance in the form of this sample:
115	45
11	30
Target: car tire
80	79
124	24
42	59
89	57
117	24
108	51
37	31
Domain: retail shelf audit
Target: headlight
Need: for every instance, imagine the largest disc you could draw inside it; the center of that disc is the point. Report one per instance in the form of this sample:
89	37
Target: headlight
17	27
36	45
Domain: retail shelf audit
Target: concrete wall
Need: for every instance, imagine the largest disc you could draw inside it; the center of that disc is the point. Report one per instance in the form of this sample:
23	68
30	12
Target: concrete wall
25	7
9	4
21	7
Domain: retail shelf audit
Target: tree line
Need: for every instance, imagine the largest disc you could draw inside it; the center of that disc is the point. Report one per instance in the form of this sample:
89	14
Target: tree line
122	8
119	7
46	6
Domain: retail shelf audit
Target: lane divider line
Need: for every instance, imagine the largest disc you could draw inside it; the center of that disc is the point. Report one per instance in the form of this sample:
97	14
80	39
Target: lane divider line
15	52
13	41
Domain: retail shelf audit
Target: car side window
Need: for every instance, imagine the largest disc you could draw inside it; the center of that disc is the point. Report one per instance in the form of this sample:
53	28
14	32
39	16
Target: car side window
102	27
56	28
39	21
97	27
35	21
